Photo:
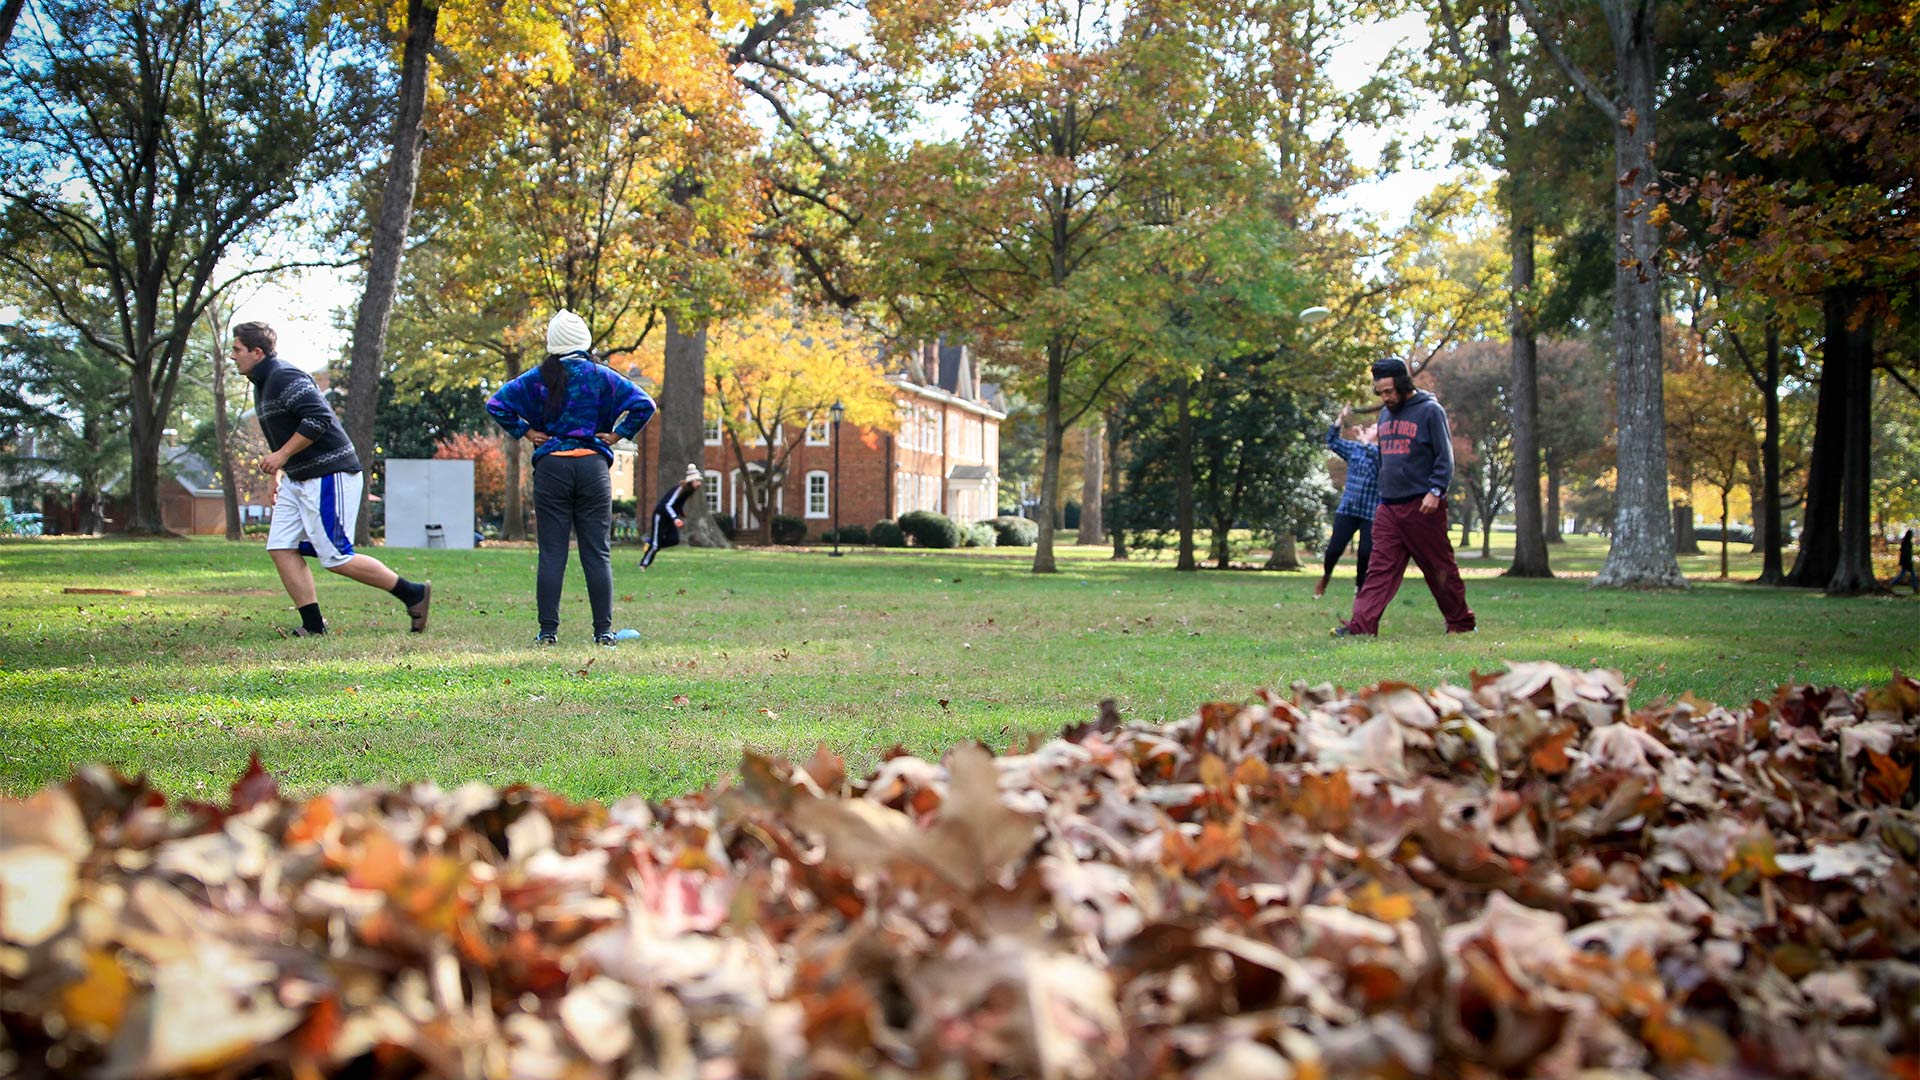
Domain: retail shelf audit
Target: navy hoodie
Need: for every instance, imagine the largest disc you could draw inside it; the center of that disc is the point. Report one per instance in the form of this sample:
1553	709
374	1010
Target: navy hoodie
1416	450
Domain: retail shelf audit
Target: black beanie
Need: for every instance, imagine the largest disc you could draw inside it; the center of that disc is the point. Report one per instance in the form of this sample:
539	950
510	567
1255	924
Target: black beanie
1391	368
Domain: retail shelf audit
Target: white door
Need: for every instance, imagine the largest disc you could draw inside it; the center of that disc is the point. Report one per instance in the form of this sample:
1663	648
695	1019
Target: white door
744	519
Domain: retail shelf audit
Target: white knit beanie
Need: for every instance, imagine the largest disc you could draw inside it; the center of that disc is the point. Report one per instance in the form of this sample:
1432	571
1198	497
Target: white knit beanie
693	473
568	333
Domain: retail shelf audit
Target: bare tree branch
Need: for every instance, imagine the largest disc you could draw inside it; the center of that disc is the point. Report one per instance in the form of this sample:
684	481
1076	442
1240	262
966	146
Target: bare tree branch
1581	80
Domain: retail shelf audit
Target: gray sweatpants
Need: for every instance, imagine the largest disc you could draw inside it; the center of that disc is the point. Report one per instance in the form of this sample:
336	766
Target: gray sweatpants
573	497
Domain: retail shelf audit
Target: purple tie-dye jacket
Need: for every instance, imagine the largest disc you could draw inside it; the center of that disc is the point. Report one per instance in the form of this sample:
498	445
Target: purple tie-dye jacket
596	397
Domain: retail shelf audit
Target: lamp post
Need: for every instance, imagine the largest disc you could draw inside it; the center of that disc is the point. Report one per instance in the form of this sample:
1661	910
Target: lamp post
837	412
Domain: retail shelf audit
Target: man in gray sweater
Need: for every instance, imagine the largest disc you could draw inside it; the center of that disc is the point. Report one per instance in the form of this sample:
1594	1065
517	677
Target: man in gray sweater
1416	465
318	498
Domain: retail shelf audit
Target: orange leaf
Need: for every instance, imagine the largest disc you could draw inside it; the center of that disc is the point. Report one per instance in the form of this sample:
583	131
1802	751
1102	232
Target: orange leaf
1251	772
97	1003
311	823
1888	779
380	863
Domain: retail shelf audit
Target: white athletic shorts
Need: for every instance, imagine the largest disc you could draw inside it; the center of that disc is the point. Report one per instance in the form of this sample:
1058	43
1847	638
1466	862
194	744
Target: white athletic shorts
316	517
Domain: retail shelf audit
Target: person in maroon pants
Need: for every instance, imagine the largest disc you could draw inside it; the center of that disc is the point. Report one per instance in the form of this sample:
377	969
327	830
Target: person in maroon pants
1416	465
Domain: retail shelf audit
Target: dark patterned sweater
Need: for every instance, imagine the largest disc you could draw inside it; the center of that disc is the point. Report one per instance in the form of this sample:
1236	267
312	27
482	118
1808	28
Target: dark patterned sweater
287	400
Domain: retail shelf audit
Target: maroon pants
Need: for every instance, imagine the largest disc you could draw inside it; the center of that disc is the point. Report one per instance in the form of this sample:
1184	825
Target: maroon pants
1401	532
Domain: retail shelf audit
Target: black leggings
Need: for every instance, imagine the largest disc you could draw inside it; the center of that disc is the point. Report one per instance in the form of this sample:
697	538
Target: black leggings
573	499
1344	526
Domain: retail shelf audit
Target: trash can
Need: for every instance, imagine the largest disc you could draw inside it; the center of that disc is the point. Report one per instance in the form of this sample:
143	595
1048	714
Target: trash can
436	536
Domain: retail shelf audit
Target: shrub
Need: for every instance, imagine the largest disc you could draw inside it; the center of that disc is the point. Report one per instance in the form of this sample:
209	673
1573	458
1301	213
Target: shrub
849	534
887	534
489	468
981	535
1070	515
1014	531
725	521
930	529
788	529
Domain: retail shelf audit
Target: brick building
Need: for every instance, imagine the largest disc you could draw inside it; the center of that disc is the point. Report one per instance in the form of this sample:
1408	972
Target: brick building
945	455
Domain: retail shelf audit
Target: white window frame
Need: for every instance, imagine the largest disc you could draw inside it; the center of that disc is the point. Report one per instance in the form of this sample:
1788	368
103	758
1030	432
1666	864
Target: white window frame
710	490
825	436
825	494
711	432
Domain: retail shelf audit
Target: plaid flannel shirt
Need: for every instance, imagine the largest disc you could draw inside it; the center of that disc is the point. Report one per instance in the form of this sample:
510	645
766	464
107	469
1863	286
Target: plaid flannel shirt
1362	495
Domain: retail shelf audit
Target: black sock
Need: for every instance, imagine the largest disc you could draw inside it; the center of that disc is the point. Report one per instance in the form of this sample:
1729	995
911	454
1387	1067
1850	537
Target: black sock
310	618
407	592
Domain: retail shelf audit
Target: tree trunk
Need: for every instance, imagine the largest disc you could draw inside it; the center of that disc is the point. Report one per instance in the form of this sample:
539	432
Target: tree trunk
88	519
1771	572
1683	539
1723	535
1642	551
1508	119
1048	510
1092	479
768	487
683	422
1117	533
1529	538
1819	557
1183	478
1466	523
1853	570
1285	554
513	515
9	14
389	241
1553	502
1486	536
222	441
143	476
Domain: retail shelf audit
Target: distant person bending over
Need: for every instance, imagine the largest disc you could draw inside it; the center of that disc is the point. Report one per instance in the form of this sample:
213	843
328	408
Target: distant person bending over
669	517
318	500
568	408
1906	576
1416	465
1357	500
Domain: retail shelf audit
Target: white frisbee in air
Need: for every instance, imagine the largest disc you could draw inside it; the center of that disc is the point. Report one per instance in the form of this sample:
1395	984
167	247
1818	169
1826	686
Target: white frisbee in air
1315	315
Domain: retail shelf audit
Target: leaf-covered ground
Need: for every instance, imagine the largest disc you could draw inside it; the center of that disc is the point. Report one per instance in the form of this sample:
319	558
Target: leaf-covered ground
1523	876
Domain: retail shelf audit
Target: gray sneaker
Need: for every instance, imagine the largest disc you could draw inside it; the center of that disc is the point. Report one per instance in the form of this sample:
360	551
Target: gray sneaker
545	639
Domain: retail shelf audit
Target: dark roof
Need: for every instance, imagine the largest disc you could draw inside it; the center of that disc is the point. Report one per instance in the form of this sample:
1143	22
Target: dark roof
189	468
956	372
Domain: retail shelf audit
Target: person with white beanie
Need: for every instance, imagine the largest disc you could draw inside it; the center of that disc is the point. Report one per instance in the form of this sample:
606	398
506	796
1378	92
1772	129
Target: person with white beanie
573	409
669	517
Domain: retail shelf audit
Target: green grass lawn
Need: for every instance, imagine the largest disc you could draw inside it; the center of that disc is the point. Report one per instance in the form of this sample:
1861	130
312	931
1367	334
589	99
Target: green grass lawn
778	651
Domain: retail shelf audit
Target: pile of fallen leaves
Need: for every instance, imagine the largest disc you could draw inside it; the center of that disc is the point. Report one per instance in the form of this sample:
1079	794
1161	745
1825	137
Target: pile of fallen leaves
1523	877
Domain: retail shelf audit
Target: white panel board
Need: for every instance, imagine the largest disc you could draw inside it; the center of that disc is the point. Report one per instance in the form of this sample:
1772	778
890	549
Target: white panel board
422	493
